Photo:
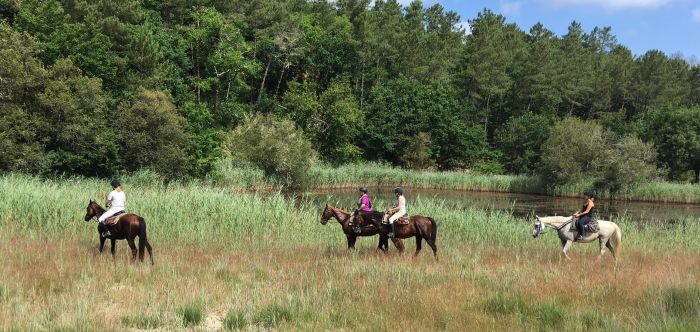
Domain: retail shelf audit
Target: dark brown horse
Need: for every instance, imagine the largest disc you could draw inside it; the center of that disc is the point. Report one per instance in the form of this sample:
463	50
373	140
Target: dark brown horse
343	218
419	226
127	228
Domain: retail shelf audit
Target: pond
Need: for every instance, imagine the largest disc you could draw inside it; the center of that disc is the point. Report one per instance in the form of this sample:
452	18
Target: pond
522	205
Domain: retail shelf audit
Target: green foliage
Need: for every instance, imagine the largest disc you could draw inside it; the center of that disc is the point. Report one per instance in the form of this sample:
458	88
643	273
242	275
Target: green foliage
418	155
191	314
338	69
403	108
152	135
676	134
521	139
581	151
627	162
573	150
277	147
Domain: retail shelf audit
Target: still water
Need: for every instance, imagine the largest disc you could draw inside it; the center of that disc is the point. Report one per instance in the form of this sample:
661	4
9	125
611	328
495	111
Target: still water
522	205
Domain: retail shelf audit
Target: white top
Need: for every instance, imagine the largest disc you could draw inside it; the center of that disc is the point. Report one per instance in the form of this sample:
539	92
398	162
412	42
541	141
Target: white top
401	203
117	199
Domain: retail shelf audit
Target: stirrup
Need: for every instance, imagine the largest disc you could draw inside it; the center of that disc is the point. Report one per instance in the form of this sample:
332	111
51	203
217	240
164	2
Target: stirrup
106	234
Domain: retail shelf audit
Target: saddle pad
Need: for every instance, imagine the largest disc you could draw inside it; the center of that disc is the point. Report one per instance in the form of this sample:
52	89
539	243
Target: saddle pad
113	220
403	220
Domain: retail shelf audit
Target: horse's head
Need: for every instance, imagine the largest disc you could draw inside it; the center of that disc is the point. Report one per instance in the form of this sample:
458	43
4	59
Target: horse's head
91	210
327	214
539	226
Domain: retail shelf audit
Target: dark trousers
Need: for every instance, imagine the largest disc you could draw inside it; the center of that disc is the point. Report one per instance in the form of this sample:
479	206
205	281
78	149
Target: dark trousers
582	221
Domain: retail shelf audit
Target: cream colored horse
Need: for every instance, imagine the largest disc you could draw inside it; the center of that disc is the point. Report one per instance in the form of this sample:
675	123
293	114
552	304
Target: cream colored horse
609	235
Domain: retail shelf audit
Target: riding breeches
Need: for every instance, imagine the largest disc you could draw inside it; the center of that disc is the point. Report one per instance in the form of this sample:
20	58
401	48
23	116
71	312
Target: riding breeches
109	213
396	216
585	220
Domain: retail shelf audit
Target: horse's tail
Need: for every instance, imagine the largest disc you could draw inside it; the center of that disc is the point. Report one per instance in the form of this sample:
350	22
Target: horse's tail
433	233
142	236
616	239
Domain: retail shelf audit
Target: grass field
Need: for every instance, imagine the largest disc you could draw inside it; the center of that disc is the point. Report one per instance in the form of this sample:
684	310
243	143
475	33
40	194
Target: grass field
232	260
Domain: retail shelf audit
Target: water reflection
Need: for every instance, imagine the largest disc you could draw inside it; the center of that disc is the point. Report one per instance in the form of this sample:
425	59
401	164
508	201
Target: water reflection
523	205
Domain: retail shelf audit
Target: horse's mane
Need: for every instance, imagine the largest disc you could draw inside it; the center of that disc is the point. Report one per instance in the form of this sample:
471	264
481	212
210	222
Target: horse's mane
97	206
555	219
562	219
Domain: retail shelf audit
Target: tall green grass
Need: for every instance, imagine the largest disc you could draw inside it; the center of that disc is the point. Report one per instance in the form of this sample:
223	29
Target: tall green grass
205	215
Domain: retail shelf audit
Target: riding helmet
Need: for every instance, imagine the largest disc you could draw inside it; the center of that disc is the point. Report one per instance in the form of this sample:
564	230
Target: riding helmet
115	183
589	194
398	190
363	189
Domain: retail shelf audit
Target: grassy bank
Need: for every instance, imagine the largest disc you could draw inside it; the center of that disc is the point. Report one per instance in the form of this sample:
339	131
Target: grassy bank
381	175
233	260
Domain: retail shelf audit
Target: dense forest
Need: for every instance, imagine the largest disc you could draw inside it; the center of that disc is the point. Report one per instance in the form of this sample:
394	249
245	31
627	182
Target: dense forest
99	88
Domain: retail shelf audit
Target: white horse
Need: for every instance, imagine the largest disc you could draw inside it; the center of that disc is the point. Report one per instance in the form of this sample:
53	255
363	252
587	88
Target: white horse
609	235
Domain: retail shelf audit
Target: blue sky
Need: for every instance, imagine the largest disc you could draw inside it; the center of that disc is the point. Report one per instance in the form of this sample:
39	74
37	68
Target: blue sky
671	26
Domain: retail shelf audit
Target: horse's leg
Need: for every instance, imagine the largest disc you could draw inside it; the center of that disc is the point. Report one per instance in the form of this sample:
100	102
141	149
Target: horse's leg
610	247
604	241
432	245
114	246
419	242
567	245
102	243
398	244
150	251
351	241
383	243
132	245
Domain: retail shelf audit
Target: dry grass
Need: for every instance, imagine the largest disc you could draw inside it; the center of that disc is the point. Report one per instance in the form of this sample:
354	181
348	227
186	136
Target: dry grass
54	284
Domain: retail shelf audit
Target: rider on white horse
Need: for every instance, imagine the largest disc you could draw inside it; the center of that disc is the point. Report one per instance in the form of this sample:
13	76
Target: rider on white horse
585	215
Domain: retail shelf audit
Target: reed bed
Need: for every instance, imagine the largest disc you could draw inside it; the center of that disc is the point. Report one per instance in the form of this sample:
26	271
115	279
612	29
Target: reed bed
231	260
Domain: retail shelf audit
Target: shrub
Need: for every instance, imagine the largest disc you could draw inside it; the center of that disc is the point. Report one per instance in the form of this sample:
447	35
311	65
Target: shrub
277	147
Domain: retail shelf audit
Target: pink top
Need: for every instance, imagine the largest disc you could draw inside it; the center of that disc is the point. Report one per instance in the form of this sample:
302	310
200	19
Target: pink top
364	200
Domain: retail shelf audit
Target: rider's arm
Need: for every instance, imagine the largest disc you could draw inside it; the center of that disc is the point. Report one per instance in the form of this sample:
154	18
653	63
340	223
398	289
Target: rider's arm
588	208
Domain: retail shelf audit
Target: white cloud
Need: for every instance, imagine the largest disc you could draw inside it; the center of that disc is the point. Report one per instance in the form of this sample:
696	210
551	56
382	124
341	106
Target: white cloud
510	8
695	15
610	4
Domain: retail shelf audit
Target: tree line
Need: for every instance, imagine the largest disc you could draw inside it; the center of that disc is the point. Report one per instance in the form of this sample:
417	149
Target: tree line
99	88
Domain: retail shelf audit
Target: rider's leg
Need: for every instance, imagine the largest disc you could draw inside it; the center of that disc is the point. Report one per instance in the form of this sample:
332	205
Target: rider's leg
393	218
104	217
579	228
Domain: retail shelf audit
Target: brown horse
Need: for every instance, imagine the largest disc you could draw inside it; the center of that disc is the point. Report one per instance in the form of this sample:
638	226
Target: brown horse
343	218
419	226
128	227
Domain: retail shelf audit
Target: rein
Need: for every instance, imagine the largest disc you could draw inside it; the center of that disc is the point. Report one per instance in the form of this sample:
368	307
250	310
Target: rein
558	228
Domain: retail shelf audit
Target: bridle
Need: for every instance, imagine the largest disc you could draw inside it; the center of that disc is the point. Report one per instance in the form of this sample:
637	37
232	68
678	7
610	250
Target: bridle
542	227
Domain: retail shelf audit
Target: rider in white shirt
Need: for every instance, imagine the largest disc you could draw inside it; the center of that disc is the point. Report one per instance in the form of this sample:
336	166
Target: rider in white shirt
396	212
116	201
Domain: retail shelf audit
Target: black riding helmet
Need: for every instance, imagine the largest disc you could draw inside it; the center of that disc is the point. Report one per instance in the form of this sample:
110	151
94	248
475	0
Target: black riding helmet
398	190
589	194
363	189
116	183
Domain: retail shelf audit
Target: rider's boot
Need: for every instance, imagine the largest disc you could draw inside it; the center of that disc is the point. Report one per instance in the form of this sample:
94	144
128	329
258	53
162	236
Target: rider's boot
579	227
391	232
104	231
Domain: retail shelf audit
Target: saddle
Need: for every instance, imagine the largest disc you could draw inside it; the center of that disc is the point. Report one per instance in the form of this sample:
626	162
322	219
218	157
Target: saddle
591	227
403	220
113	220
